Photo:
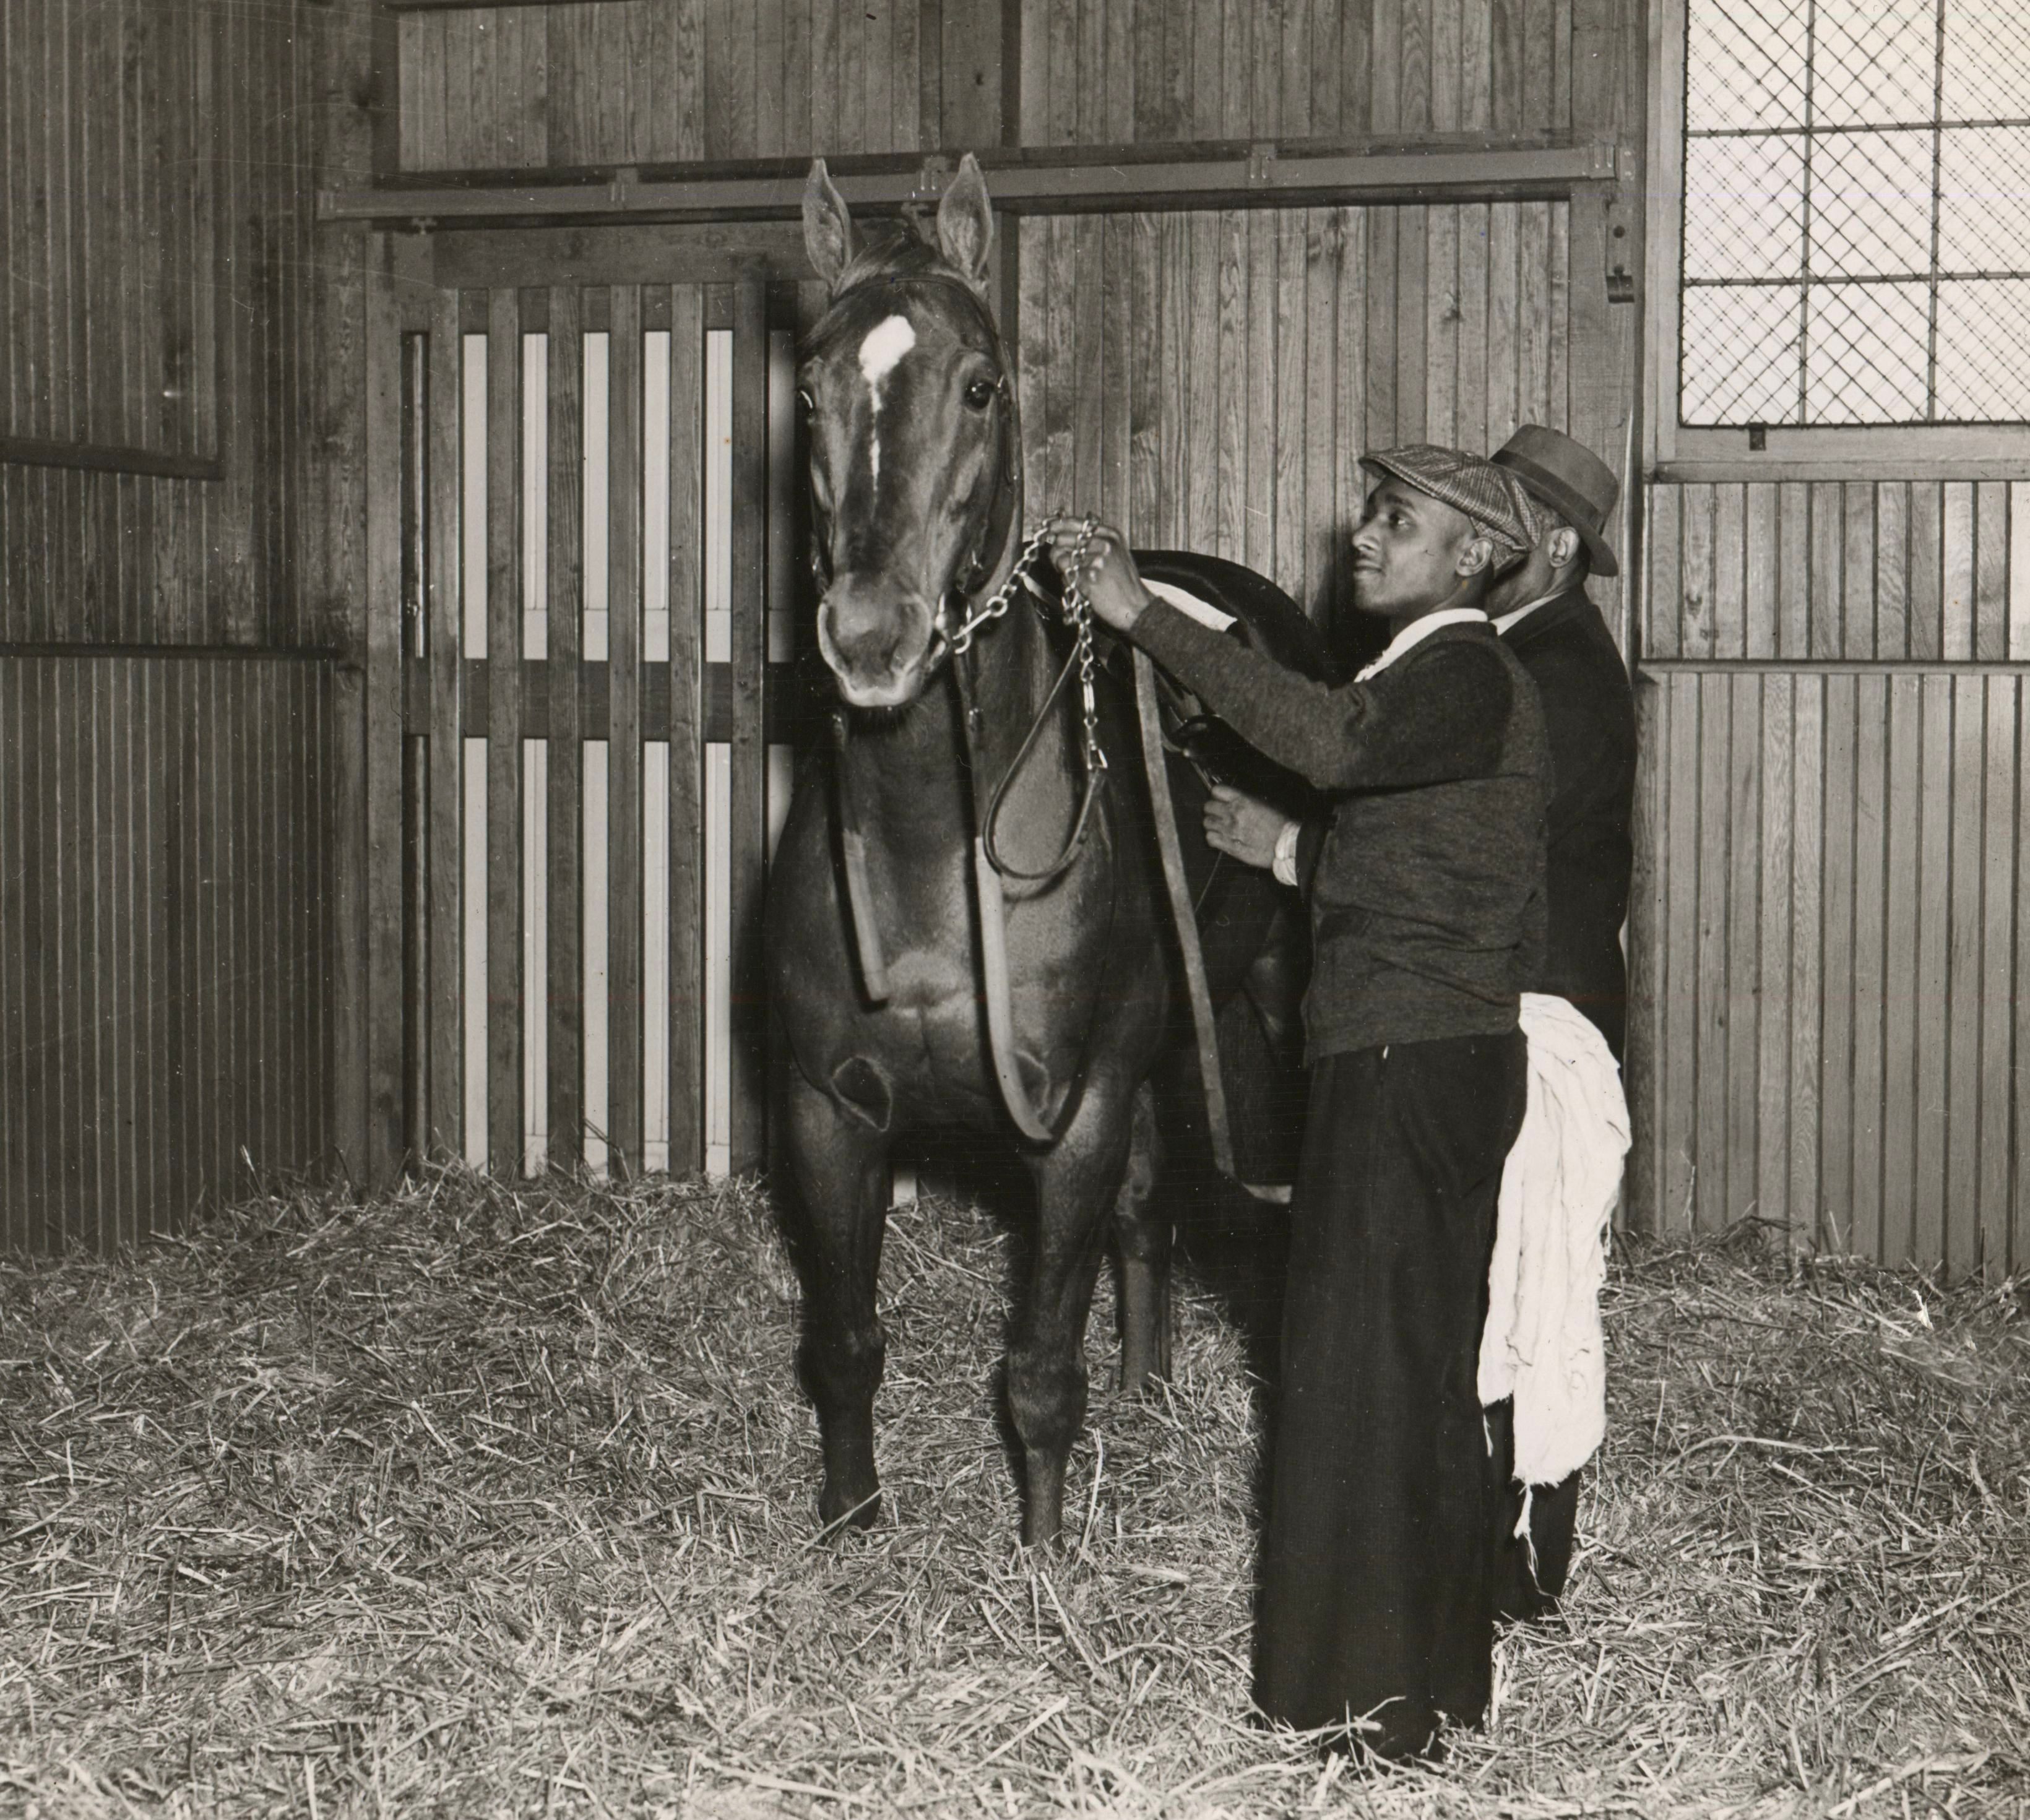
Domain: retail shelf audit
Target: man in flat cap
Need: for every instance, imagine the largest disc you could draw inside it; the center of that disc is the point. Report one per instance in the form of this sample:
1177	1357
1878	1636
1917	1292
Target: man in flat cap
1426	892
1542	612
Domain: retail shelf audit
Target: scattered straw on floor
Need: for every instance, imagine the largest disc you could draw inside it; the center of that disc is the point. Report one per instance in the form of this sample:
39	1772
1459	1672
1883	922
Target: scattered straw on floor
467	1501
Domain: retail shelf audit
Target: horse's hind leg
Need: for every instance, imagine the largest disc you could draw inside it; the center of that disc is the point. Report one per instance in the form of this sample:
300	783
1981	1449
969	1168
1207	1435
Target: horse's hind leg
1144	1239
1076	1181
840	1166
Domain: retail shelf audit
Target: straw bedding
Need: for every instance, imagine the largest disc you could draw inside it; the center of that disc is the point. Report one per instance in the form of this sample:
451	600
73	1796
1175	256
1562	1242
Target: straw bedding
468	1502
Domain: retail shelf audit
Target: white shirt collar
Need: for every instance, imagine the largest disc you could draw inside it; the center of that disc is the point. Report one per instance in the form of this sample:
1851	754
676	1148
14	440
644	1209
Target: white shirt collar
1522	612
1417	630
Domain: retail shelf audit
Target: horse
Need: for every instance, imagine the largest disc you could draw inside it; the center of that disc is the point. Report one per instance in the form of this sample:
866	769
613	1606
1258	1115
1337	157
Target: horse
965	918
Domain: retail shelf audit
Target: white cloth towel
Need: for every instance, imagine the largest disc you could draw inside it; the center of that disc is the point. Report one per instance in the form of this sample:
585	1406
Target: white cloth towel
1544	1344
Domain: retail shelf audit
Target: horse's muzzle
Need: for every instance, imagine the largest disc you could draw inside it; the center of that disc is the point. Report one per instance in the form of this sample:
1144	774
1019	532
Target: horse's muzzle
878	644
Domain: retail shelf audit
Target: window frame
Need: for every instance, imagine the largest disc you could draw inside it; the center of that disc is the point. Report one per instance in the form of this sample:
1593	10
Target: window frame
1675	452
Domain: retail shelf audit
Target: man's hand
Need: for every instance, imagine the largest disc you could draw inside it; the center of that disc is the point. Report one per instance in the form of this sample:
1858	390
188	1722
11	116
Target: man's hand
1102	567
1242	825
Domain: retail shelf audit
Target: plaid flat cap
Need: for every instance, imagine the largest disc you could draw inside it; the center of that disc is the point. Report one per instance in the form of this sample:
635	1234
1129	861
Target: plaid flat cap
1490	496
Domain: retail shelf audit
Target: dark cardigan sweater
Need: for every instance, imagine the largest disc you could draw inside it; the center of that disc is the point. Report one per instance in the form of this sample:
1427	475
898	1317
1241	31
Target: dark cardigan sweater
1427	890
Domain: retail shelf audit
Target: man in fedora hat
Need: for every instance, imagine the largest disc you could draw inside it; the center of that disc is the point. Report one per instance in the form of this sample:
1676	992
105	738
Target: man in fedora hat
1426	889
1544	617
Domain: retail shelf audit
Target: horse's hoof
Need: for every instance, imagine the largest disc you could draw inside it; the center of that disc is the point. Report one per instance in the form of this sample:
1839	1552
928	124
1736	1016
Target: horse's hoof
1139	1380
842	1511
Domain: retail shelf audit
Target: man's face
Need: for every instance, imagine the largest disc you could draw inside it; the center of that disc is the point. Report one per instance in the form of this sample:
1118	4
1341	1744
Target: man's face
1408	551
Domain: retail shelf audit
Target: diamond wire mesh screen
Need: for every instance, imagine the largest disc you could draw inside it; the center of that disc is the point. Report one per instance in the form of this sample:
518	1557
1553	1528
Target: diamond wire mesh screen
1857	229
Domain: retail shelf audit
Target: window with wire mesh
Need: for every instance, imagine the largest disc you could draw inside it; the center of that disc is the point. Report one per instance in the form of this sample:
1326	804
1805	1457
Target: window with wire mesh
1856	231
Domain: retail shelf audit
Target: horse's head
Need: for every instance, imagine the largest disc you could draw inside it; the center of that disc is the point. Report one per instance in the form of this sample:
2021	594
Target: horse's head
913	456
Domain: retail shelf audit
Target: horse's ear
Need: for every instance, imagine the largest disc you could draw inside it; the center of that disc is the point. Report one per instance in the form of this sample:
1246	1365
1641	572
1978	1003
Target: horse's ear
965	224
828	237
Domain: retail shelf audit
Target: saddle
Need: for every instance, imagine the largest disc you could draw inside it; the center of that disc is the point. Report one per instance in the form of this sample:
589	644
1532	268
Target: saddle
1265	619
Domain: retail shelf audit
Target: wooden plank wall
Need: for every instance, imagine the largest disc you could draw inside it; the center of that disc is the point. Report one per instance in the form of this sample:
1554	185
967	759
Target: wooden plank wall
1827	949
1824	570
648	81
111	231
166	291
1095	71
618	82
165	858
1209	377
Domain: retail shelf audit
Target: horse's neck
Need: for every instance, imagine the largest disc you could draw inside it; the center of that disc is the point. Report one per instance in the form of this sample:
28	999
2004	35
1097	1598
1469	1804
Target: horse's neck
914	780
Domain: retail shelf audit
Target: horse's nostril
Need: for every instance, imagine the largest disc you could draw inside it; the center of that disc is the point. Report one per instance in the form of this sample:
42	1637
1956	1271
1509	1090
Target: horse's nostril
871	638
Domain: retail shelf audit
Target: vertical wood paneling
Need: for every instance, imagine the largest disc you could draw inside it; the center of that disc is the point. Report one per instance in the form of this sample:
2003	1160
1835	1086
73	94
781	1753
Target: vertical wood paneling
1934	805
1678	1057
1870	989
505	1121
1642	1072
1884	570
148	965
1836	1012
747	754
624	731
1896	700
1745	972
1826	958
1285	307
1959	1200
1710	1210
685	732
444	895
168	291
1999	1000
1772	1021
787	77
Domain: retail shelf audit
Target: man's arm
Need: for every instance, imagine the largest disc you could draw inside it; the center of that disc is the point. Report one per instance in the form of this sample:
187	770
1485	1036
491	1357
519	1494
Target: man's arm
1435	715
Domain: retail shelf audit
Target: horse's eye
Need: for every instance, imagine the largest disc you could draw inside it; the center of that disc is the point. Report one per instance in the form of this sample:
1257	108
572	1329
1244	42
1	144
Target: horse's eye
980	394
805	404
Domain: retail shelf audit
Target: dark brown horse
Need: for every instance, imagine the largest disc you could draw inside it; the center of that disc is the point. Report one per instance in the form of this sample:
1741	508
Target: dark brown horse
888	920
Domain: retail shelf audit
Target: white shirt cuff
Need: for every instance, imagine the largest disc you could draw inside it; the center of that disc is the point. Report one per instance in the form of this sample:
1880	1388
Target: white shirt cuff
1285	863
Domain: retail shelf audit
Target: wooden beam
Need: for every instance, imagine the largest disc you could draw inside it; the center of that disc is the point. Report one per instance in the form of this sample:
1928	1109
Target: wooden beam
107	458
1654	668
465	5
1447	167
549	712
641	253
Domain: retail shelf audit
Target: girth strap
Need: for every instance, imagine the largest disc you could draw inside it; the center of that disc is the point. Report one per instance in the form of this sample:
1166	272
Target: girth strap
1185	916
852	853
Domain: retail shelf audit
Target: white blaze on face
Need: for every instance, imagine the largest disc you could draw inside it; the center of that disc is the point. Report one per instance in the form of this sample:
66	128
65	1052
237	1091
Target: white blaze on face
887	341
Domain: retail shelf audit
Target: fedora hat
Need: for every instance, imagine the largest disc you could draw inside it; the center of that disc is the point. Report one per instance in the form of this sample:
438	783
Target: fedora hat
1569	478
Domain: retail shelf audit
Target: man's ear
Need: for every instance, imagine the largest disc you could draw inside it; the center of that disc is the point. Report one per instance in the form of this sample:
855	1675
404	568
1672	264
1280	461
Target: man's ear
828	237
1562	546
965	224
1475	557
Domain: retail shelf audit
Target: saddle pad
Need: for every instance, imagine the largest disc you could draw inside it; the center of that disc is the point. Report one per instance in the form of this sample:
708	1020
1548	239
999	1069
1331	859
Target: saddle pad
1189	604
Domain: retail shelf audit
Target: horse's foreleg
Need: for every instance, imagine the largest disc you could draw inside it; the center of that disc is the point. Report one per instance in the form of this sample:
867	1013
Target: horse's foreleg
1144	1239
840	1166
1077	1183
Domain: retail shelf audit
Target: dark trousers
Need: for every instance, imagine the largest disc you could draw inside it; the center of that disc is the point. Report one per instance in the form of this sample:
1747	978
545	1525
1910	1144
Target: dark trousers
1376	1591
1528	1577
